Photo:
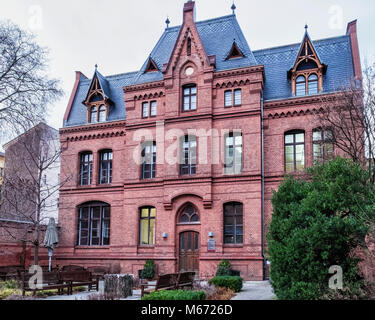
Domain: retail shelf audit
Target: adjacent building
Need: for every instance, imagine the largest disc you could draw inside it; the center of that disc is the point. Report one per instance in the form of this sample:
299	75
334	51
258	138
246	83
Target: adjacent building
30	191
177	162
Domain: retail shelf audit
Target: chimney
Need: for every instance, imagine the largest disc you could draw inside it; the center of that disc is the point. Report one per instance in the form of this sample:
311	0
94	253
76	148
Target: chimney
189	11
352	33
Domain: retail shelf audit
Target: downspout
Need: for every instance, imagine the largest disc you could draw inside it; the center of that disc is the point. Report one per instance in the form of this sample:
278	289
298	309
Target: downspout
262	183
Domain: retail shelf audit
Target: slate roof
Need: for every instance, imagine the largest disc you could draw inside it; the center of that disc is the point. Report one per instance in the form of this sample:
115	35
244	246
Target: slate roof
334	52
217	36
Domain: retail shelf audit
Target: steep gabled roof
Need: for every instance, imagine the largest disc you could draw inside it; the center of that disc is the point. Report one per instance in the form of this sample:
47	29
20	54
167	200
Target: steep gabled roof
78	113
335	52
220	46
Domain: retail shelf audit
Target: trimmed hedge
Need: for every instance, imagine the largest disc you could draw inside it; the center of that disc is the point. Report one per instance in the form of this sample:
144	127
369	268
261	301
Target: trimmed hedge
175	295
233	283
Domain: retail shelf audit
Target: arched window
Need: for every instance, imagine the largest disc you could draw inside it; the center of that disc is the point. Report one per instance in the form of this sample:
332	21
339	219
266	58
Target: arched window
189	215
147	226
233	223
301	86
105	167
94	224
85	169
102	113
294	151
313	84
188	157
189	97
94	115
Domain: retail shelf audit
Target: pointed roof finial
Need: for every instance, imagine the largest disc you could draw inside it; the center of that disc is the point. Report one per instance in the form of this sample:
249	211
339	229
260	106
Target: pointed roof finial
233	7
96	67
306	27
167	22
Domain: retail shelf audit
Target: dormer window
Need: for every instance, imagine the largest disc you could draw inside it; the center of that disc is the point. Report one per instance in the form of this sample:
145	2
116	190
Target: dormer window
301	86
94	115
307	73
235	52
97	100
151	66
313	84
102	113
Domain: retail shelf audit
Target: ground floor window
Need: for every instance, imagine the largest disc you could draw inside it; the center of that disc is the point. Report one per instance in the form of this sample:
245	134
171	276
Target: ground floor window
233	223
147	226
94	224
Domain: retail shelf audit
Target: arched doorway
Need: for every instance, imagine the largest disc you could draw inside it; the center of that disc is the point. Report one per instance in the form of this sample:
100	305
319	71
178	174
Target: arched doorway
189	245
189	251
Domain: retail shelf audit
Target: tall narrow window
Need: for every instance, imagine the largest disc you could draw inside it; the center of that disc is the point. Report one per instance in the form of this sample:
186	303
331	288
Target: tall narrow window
105	167
301	86
147	226
190	98
228	98
102	114
94	115
145	109
313	84
153	109
294	151
237	97
94	224
149	160
188	155
188	46
323	146
233	223
233	153
85	174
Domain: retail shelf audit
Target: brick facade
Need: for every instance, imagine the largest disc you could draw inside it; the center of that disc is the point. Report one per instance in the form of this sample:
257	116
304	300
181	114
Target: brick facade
208	190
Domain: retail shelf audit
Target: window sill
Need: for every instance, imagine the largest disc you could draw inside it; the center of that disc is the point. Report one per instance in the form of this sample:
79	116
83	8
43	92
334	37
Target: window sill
189	224
92	247
233	245
146	247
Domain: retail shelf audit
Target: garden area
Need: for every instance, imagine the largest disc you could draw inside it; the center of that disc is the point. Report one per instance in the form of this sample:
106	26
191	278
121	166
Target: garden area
321	221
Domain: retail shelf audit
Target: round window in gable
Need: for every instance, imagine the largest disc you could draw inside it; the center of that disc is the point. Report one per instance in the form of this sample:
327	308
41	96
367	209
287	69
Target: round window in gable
189	71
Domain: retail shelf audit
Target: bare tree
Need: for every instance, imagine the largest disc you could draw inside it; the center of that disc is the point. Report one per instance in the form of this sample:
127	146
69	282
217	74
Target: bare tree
350	117
31	183
25	88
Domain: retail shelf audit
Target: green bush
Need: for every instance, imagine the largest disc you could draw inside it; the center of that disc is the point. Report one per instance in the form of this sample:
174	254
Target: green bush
9	284
233	283
175	295
224	269
316	224
148	271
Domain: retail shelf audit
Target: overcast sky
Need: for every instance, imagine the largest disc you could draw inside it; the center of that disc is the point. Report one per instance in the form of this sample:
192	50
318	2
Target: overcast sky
118	35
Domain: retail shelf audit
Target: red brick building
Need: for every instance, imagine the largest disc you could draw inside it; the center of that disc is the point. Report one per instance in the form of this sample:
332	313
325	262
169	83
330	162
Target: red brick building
176	162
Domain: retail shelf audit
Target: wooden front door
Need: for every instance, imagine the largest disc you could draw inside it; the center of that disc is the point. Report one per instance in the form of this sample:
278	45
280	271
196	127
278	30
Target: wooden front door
189	251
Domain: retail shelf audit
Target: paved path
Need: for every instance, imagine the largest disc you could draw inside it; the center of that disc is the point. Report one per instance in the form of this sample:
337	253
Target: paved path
252	290
85	295
256	290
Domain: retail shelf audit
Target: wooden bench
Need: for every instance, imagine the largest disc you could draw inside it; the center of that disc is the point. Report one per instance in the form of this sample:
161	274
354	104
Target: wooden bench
51	281
10	272
73	268
79	278
164	282
98	272
185	280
